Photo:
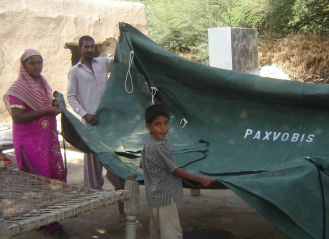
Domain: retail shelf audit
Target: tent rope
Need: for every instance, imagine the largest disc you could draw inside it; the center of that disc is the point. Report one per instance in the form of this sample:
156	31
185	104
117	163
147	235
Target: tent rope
203	151
131	58
154	91
184	121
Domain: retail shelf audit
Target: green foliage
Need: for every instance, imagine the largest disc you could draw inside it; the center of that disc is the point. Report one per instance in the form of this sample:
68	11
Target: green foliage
282	17
248	13
311	16
182	25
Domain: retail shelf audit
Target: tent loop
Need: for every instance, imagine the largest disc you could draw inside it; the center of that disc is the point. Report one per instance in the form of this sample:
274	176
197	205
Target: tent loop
154	91
131	58
184	121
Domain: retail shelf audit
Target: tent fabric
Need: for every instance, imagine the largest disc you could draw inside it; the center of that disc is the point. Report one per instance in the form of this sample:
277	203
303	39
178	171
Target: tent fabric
251	134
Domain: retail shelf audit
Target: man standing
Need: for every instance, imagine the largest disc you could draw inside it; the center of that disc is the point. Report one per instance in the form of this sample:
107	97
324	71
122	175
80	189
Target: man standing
87	82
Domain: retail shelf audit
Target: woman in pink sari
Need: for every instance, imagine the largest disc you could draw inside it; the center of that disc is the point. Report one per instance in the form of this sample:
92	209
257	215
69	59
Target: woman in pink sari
33	109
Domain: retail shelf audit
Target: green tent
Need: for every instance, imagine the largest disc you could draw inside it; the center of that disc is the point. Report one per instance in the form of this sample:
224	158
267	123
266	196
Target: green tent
265	139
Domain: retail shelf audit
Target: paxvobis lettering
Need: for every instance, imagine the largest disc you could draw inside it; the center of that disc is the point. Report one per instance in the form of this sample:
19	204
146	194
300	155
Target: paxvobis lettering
274	136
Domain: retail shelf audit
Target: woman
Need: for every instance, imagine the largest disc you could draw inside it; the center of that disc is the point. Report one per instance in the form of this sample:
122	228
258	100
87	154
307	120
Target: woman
29	101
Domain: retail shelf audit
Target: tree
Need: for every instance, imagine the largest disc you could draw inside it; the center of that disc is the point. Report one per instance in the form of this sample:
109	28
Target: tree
182	25
282	17
311	16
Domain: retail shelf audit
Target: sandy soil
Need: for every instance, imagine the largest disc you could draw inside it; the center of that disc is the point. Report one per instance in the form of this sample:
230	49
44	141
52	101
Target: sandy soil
216	214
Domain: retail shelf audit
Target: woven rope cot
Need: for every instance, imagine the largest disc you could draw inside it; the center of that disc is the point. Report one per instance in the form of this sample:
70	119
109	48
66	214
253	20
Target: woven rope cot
29	201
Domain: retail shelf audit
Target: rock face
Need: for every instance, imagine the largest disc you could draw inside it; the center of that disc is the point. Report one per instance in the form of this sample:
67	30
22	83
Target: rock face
54	27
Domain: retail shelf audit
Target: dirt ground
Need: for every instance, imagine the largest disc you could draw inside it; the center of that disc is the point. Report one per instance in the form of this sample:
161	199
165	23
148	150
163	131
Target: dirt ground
216	214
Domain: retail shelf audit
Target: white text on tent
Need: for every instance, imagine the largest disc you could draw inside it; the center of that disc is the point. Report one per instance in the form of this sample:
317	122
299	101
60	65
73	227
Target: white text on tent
269	135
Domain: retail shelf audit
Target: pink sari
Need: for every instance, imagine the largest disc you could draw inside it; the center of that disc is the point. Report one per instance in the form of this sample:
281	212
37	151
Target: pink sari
36	143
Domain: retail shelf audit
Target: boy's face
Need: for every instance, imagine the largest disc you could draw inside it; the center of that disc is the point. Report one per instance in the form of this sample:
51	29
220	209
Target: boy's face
159	127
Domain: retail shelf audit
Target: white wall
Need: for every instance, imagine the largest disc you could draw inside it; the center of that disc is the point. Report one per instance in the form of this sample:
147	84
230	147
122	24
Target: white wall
47	25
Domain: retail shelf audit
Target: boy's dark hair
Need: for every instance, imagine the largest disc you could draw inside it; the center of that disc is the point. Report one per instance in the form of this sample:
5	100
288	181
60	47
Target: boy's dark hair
85	38
153	111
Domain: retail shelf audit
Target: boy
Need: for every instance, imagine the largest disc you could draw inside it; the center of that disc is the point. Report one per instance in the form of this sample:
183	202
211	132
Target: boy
162	177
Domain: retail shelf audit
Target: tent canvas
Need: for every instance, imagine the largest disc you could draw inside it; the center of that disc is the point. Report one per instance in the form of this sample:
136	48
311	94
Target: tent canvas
250	133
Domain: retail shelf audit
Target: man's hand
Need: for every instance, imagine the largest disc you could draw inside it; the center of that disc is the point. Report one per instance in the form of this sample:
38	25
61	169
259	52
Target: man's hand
92	120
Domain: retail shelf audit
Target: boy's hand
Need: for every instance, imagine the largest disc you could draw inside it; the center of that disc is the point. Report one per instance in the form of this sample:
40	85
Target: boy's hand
186	175
206	181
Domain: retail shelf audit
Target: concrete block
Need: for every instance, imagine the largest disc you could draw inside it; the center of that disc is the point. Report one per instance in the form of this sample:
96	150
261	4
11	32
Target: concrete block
234	49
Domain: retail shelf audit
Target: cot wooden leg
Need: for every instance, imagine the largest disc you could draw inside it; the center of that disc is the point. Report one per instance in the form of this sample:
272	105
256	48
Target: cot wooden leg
3	227
131	206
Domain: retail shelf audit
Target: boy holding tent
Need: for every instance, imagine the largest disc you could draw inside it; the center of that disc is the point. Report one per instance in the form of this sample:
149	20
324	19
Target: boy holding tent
163	177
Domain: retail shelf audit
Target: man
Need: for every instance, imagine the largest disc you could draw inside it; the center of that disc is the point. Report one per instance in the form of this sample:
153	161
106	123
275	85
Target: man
87	82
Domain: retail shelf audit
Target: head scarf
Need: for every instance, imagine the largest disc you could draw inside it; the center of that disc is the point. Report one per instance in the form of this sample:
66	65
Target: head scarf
27	90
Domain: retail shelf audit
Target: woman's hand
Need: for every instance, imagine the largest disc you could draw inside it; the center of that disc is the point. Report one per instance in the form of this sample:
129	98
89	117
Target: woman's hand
54	103
53	111
20	116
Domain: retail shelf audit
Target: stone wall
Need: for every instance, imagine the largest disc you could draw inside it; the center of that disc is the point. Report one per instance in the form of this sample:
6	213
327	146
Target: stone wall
54	27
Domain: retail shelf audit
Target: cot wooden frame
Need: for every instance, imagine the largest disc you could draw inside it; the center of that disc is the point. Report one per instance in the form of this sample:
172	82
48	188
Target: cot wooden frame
20	213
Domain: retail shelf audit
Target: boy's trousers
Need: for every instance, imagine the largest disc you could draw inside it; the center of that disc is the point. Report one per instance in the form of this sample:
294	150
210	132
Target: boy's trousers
164	222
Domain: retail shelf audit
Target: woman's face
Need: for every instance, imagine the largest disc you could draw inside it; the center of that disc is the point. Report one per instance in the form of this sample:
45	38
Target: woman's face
34	66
